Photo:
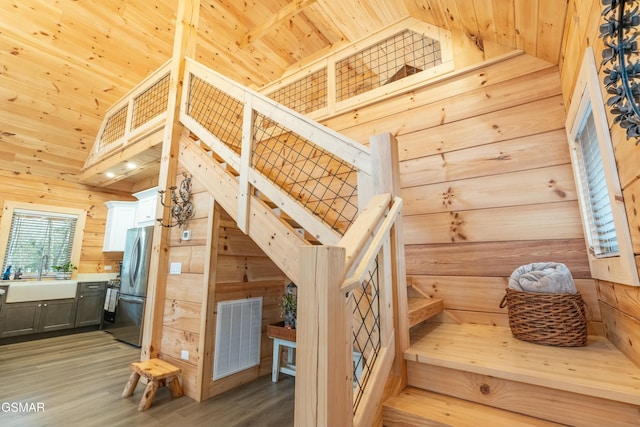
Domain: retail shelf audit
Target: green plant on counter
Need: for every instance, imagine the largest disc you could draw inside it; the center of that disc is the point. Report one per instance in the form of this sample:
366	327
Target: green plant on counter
66	267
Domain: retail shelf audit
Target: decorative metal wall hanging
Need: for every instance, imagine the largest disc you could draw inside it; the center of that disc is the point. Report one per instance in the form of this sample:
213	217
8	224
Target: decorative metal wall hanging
179	203
623	78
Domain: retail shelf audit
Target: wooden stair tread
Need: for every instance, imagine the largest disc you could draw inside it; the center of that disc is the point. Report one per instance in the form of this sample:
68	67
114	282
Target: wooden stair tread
417	407
421	309
598	369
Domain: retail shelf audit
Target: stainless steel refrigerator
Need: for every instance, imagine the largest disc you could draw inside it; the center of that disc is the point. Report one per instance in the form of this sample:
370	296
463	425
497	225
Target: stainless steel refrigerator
133	286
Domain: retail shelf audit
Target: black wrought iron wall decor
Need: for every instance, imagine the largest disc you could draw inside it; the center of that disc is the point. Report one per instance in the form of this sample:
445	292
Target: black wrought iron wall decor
619	33
179	202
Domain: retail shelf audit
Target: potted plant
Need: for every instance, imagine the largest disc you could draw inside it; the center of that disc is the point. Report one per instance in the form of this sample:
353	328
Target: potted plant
289	309
63	271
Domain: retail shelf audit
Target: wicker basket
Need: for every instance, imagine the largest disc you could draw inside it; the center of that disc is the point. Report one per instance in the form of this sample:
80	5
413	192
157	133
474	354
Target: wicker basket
547	319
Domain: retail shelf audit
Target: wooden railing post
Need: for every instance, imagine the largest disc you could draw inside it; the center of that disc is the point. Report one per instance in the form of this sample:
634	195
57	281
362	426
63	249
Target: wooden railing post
324	377
385	165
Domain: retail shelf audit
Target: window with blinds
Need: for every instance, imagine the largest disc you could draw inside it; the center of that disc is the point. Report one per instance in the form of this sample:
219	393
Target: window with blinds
602	208
602	237
39	238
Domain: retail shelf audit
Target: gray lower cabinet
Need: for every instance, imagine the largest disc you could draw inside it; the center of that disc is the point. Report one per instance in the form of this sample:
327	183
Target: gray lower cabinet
91	297
21	318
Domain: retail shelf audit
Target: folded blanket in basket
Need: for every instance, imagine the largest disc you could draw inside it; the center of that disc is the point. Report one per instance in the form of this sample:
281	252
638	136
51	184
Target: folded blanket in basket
550	277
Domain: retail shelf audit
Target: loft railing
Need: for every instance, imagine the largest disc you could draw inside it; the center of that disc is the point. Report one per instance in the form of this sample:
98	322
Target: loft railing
139	113
337	190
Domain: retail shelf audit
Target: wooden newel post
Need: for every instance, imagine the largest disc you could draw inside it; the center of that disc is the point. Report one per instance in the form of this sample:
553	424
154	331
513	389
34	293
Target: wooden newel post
324	344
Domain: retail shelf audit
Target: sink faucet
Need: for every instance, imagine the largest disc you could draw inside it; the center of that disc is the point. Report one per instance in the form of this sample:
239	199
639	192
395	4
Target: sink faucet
43	264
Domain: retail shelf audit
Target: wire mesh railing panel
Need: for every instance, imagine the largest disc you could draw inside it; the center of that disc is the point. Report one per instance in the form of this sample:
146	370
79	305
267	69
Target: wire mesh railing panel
151	102
114	129
392	59
365	303
217	112
321	182
305	95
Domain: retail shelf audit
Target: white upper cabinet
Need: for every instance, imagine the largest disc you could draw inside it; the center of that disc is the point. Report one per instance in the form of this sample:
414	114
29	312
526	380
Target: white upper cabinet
146	211
120	218
125	215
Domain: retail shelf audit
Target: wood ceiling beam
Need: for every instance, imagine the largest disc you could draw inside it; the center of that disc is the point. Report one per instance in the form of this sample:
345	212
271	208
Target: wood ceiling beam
286	13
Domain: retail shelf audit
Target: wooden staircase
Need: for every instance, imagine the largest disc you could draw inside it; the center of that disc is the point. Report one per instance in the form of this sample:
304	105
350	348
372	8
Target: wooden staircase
476	375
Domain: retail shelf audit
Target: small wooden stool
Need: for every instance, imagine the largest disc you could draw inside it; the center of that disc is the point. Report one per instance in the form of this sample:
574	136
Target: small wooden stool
157	372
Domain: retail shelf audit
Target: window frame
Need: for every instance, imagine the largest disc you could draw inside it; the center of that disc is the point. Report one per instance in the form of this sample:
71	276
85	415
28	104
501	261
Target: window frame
7	218
587	96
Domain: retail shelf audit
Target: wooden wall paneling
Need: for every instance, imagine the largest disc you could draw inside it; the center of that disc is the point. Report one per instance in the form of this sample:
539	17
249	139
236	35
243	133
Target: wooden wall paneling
622	330
189	373
495	258
550	29
198	228
471	94
193	258
182	315
532	118
175	340
621	297
235	242
526	187
246	269
528	152
484	294
185	286
627	157
526	28
550	221
631	196
467	49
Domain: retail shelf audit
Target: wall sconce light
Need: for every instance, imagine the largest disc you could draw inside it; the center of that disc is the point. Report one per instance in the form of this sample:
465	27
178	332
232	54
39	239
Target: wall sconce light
623	78
179	203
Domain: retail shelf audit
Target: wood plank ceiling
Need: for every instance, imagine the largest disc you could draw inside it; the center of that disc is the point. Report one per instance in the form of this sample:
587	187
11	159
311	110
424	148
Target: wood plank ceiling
64	62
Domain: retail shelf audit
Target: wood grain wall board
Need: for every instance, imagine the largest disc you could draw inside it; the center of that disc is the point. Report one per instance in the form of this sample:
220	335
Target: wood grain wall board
484	294
527	187
526	28
185	287
627	157
549	221
198	228
192	258
621	297
622	330
467	49
550	25
235	242
271	292
246	269
532	118
175	340
433	105
495	258
528	152
504	18
182	315
631	196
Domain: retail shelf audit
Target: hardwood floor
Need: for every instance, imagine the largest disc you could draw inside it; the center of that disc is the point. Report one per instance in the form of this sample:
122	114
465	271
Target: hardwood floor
77	380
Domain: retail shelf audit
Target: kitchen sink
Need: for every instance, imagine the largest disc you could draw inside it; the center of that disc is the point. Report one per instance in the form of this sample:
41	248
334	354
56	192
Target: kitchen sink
37	290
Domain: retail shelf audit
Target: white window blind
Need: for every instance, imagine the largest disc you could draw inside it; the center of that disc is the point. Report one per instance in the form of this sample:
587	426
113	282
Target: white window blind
36	234
602	237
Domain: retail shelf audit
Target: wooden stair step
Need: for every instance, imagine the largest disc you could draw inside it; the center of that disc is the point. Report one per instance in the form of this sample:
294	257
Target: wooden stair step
593	385
416	407
421	309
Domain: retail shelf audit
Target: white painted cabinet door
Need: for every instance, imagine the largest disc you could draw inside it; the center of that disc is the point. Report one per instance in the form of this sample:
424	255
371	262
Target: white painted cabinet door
120	218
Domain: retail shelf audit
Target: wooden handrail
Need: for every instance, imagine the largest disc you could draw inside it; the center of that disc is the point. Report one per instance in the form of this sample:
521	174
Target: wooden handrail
376	243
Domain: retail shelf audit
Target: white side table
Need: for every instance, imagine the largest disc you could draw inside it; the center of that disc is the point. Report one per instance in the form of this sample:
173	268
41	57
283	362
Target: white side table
289	367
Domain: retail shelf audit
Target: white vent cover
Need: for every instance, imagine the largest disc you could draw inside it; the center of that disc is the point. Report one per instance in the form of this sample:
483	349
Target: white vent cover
238	331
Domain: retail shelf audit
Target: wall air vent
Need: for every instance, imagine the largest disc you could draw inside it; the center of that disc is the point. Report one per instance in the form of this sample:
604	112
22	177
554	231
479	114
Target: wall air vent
238	332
